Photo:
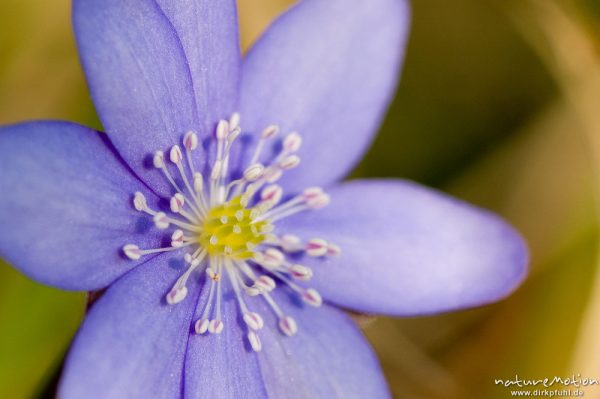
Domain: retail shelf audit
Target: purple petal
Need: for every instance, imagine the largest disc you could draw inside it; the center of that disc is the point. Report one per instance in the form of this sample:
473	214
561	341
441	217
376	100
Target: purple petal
66	205
328	70
327	358
138	77
132	344
220	365
208	31
408	250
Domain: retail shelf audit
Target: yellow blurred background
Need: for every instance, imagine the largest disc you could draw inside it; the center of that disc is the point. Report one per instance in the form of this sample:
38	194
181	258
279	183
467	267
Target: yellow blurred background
499	104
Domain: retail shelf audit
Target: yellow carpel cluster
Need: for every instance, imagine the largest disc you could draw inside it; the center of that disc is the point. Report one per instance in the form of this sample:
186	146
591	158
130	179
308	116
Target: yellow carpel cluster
231	230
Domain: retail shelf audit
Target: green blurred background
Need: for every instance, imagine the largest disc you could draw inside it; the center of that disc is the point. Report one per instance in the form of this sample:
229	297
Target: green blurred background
499	104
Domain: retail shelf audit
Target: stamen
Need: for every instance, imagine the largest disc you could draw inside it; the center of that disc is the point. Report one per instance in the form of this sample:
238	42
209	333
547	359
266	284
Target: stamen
316	247
253	320
333	250
234	121
292	143
254	341
199	190
311	198
272	258
290	243
159	163
139	202
267	134
190	141
176	295
162	221
301	272
272	174
289	162
317	201
198	183
177	157
178	238
179	290
288	326
265	284
201	326
177	202
253	172
271	194
262	284
133	252
159	160
216	325
222	130
312	297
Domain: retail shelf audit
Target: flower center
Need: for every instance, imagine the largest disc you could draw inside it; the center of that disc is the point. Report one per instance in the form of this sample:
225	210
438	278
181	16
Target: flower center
233	231
227	228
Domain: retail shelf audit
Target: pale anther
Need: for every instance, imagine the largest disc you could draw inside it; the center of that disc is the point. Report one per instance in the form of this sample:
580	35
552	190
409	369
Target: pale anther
253	320
272	175
265	283
158	160
215	326
312	297
270	132
273	258
161	220
292	142
222	130
139	202
201	326
216	170
176	295
288	326
289	162
319	201
234	121
333	250
177	202
175	154
254	341
253	172
190	140
198	182
177	238
291	243
132	251
301	272
316	247
272	193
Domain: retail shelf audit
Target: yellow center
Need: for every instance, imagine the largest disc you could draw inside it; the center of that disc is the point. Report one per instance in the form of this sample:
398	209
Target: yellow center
232	230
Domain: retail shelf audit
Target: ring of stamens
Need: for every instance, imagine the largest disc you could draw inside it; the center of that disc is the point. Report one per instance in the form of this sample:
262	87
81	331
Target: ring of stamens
227	228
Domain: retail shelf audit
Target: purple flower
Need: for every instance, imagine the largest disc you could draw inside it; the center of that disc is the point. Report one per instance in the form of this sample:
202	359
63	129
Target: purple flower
206	230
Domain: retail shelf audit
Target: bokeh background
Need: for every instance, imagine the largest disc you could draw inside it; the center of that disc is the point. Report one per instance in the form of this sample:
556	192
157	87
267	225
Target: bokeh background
499	104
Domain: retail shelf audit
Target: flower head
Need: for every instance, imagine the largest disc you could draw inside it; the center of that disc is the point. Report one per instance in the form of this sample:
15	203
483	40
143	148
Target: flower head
215	227
225	228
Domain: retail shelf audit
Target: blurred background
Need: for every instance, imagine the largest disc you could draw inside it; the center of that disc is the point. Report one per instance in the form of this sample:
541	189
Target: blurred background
499	104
